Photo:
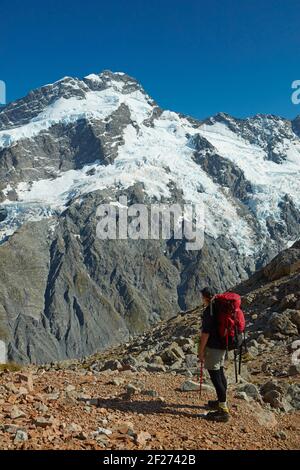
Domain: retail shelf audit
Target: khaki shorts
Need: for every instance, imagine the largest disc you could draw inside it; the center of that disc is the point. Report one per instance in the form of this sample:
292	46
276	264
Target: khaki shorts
214	358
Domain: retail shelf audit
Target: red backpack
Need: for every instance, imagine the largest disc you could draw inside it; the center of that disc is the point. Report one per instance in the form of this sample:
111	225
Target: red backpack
231	320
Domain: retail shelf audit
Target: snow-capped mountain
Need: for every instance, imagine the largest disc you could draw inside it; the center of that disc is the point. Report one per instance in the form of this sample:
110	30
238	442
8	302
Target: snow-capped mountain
71	144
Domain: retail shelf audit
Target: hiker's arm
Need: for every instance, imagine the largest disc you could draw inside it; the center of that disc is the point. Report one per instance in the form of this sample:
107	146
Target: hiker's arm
202	345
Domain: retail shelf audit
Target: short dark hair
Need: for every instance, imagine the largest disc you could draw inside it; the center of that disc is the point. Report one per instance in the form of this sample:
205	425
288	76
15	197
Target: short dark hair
208	292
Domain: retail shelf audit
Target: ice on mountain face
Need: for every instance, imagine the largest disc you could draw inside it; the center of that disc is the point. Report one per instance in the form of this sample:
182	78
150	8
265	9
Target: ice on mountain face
261	130
6	190
270	181
19	213
161	156
156	156
95	105
94	78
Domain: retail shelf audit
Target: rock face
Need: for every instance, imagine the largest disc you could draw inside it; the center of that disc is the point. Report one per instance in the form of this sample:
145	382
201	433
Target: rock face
285	264
281	323
3	214
272	296
68	147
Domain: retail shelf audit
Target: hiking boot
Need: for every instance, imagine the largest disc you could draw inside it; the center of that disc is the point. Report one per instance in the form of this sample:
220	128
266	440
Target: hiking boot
212	404
220	416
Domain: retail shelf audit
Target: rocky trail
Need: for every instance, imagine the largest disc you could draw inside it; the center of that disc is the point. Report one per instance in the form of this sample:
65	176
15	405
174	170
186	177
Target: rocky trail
83	411
144	394
104	402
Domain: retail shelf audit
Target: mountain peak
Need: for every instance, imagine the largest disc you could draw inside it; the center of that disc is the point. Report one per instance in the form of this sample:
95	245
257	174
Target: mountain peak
68	100
119	81
77	143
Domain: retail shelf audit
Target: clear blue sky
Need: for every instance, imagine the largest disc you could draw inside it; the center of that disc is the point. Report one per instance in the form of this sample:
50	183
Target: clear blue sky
193	56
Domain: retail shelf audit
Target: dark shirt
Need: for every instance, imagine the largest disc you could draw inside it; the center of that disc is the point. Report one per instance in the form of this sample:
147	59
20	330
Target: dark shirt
210	326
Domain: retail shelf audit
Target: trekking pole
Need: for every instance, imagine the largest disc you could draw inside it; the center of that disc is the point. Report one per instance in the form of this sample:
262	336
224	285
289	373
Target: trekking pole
240	359
201	378
235	367
245	343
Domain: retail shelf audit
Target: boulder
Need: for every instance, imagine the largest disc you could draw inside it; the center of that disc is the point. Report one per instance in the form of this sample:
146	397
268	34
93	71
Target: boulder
156	360
294	317
251	390
288	302
293	396
151	393
261	339
41	407
53	396
294	369
112	365
27	379
191	386
11	388
265	418
155	368
106	432
284	264
16	413
131	390
125	428
129	361
185	342
241	396
172	354
176	366
274	398
281	323
10	428
271	385
116	381
142	437
295	345
73	428
252	343
23	391
21	436
191	361
253	351
43	422
281	435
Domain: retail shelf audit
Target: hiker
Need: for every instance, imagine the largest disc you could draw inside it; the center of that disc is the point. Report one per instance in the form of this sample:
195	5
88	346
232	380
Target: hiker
215	341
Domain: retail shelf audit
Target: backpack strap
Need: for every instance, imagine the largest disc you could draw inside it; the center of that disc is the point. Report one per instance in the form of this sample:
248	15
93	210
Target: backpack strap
235	365
211	306
211	309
